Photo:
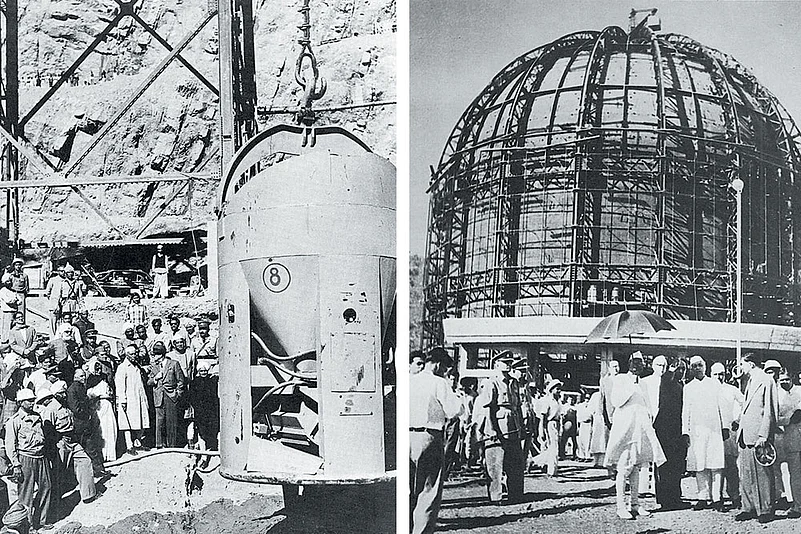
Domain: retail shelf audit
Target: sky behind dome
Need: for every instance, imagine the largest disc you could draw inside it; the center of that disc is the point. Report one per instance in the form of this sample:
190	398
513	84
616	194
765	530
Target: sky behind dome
456	47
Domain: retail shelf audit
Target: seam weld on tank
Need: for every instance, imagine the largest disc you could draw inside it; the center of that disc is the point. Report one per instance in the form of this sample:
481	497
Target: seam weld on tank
306	251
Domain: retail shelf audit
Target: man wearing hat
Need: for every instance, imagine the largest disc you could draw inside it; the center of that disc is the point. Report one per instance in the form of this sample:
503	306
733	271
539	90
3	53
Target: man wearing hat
502	450
71	455
757	428
431	406
14	378
632	440
25	446
18	283
73	291
53	295
703	430
169	382
788	440
731	407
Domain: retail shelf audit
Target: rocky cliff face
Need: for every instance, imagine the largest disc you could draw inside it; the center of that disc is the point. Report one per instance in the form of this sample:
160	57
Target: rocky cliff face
173	127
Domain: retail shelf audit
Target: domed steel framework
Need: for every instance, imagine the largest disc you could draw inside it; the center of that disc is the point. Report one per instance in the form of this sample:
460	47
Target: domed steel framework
593	173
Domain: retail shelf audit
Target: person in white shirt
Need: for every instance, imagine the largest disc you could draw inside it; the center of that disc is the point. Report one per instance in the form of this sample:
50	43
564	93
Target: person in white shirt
632	439
731	403
703	429
788	440
432	404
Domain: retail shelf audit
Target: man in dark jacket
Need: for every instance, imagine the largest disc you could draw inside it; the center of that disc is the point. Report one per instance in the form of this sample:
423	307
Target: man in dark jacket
667	425
205	401
168	383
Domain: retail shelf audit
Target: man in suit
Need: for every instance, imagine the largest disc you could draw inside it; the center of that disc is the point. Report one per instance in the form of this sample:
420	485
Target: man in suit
168	383
757	428
667	425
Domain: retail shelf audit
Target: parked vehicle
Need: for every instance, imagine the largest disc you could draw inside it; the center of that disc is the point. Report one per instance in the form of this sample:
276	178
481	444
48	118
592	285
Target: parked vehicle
121	283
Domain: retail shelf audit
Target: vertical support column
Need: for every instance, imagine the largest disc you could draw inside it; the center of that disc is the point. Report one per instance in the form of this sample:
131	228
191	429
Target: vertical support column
237	76
10	81
225	22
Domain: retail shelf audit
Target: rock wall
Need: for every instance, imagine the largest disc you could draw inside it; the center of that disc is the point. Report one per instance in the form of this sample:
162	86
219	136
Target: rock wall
173	127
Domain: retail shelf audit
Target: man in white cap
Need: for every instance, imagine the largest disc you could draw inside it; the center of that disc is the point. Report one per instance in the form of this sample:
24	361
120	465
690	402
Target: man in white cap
632	440
731	406
431	406
25	445
502	450
703	430
652	384
757	428
788	440
18	283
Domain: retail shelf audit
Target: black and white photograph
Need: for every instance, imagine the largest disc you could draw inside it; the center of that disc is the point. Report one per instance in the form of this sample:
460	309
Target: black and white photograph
198	254
605	269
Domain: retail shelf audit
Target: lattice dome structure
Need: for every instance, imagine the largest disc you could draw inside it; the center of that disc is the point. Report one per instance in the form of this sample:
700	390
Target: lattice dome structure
594	174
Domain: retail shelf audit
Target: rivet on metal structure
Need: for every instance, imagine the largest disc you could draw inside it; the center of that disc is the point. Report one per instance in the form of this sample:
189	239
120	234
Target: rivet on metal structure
594	172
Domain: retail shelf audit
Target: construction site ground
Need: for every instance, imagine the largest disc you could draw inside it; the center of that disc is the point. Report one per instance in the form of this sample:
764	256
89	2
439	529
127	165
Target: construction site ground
148	495
579	499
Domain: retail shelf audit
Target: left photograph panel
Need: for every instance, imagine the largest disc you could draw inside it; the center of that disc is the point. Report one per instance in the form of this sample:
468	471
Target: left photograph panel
198	325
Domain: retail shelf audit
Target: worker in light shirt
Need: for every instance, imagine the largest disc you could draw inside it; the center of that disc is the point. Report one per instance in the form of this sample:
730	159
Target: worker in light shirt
433	402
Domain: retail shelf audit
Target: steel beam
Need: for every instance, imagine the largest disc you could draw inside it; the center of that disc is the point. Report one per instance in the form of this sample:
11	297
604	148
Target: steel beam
72	68
81	181
126	105
179	57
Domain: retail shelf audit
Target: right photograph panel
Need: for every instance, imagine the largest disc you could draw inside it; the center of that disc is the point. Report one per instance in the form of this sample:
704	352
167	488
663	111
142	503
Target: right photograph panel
605	269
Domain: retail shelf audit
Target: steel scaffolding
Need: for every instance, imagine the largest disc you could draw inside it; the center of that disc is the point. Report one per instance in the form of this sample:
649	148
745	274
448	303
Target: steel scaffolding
593	174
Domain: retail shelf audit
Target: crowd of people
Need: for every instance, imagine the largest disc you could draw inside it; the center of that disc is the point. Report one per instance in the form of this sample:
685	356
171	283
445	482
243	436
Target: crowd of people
736	429
72	402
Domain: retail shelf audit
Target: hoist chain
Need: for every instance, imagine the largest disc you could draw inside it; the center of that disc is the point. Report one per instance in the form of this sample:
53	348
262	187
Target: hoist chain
313	87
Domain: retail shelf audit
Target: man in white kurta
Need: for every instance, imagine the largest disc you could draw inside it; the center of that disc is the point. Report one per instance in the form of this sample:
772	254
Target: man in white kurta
632	440
651	385
702	426
132	407
731	403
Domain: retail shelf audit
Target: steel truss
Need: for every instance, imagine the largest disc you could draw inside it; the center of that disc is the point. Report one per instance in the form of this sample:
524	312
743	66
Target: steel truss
17	145
594	173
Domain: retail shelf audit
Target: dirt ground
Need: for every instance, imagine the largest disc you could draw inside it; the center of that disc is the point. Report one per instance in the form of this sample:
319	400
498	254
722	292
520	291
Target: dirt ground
579	499
148	495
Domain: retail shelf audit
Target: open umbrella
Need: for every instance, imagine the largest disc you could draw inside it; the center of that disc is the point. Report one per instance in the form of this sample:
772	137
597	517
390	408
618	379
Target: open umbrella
628	323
